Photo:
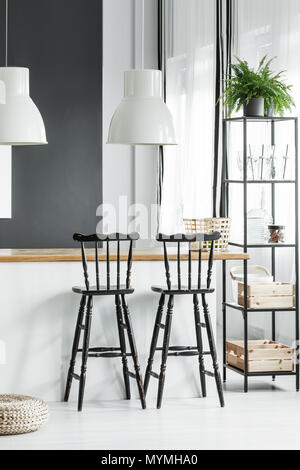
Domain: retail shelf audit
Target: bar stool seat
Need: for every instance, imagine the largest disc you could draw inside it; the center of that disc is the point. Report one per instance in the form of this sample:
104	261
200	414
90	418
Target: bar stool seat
114	290
182	290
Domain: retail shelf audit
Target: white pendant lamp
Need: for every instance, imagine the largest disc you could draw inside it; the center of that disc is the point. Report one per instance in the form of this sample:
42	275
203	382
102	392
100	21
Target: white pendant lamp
142	118
20	120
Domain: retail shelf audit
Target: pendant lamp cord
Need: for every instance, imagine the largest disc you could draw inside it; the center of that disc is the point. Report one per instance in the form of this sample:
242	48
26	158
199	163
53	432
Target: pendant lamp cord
142	32
6	32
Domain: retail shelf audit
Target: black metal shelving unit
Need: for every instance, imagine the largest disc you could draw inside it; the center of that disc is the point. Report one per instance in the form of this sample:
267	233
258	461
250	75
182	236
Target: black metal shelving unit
273	247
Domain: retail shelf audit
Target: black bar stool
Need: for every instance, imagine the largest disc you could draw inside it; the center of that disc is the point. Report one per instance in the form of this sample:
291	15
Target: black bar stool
180	289
119	291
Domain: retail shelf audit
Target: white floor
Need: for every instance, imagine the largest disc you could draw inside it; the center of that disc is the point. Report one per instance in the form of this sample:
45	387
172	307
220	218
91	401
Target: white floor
268	417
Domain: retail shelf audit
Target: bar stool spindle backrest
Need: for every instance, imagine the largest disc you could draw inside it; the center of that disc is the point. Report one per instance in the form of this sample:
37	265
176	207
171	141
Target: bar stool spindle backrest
106	239
189	238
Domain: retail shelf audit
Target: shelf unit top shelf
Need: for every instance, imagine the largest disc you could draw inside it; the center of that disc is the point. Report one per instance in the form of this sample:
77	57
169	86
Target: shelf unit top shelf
260	119
263	245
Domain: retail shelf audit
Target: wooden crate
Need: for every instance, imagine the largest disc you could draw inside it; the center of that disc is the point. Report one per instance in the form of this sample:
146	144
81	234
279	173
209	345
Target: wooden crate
263	356
259	289
267	295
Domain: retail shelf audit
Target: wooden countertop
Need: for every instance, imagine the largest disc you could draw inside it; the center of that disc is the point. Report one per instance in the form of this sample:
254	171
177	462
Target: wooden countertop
70	254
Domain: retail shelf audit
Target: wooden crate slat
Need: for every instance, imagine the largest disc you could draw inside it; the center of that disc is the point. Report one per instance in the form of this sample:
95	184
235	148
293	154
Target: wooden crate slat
279	301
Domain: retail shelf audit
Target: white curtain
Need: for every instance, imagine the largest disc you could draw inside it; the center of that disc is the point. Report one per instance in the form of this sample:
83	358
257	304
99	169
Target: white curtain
188	173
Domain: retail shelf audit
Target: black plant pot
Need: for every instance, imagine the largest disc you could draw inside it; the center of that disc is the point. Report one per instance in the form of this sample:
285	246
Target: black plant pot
255	108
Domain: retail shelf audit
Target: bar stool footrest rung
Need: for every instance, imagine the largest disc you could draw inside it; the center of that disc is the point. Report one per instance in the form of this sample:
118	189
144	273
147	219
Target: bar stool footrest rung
75	376
131	374
154	374
107	354
210	374
184	353
179	348
100	350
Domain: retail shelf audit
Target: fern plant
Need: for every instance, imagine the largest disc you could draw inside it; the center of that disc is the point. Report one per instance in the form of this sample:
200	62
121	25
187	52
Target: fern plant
244	83
277	92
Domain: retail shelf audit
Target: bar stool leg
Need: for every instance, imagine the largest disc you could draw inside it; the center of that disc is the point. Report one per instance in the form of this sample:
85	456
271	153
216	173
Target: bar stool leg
133	352
75	347
122	345
199	344
213	351
85	351
165	350
154	341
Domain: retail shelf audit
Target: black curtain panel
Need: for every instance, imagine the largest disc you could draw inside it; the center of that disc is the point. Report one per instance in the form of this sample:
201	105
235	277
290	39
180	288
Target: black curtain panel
161	54
224	46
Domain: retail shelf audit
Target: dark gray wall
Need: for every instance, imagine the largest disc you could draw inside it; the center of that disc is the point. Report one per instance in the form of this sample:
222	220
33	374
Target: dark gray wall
57	187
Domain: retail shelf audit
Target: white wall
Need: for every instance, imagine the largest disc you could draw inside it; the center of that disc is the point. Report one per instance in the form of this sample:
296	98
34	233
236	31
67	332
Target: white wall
118	55
127	171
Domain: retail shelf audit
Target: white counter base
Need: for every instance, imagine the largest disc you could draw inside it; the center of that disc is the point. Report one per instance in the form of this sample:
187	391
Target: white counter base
38	315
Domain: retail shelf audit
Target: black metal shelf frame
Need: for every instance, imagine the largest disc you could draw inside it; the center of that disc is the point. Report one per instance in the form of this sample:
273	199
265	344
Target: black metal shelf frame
263	245
259	119
244	309
241	308
260	374
227	181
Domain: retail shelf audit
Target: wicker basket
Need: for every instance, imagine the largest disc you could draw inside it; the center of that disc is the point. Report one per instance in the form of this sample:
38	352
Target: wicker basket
20	414
209	225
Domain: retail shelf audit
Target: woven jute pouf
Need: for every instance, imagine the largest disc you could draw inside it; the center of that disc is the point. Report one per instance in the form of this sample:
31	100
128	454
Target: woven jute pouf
20	414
